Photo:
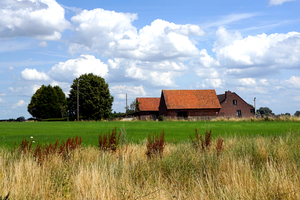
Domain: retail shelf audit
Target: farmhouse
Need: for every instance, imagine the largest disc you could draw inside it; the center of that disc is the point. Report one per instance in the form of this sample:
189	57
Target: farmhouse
194	103
189	103
234	106
148	107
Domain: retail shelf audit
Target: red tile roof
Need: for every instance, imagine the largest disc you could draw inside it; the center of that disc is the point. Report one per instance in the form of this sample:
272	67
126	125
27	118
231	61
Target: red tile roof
148	104
191	99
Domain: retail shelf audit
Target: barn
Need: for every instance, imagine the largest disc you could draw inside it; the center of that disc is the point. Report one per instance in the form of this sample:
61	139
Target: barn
148	107
189	103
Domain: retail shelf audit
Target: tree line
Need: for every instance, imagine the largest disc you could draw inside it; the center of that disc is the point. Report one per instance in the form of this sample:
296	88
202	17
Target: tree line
95	100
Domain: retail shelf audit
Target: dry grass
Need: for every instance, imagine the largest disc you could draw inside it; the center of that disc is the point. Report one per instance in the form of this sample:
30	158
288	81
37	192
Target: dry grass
247	168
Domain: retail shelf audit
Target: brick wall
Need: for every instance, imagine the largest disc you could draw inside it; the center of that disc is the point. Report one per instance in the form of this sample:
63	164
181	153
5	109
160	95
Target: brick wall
230	108
194	113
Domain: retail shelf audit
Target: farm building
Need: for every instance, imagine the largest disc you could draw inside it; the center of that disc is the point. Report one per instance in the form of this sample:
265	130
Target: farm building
234	106
189	103
148	107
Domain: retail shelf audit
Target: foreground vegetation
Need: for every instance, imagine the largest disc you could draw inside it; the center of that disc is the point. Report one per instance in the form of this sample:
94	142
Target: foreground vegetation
244	168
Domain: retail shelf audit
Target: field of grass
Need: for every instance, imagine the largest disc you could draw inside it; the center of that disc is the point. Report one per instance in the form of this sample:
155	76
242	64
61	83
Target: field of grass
253	167
137	131
175	131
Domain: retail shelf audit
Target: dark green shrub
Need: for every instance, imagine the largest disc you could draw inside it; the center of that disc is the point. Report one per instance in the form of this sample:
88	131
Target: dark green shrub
160	118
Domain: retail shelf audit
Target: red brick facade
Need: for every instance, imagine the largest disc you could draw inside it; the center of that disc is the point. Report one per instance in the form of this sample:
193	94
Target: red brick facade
234	106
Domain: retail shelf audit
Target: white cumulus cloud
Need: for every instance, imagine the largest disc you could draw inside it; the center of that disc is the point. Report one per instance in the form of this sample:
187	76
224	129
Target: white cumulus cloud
294	81
120	91
278	2
19	104
276	50
40	19
73	68
112	34
33	74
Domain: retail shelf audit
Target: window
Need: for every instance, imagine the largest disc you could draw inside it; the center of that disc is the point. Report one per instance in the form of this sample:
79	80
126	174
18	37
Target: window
234	102
239	113
252	110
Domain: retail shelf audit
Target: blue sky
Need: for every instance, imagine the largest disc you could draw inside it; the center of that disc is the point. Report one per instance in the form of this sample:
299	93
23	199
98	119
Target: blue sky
141	47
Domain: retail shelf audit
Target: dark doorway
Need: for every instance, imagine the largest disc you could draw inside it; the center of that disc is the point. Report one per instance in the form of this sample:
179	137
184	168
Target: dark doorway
182	114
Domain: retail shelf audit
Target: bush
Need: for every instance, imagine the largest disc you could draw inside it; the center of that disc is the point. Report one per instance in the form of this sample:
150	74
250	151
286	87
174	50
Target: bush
160	118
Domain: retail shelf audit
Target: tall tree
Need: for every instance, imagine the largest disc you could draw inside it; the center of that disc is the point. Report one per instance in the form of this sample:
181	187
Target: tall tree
95	101
265	111
297	113
47	102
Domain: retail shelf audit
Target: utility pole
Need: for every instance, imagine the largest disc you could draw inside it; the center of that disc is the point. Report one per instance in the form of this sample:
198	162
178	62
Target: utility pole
126	105
254	106
78	99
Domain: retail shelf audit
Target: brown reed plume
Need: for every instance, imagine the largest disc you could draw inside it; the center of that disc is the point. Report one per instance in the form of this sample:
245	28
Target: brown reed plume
25	146
219	146
109	141
156	145
64	149
199	143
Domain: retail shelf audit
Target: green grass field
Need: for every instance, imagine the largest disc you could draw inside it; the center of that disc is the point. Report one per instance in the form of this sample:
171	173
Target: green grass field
175	131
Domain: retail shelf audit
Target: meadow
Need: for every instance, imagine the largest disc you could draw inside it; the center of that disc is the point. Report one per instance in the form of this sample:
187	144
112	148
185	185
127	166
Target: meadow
137	131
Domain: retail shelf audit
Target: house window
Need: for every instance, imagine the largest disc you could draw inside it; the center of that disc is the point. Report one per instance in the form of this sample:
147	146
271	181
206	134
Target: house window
252	110
234	102
239	113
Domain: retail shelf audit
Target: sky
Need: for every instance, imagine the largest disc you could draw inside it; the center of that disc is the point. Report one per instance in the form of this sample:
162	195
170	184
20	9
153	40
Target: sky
141	47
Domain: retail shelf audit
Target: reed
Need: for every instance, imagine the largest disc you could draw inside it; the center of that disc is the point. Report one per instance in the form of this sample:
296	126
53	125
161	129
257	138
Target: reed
237	168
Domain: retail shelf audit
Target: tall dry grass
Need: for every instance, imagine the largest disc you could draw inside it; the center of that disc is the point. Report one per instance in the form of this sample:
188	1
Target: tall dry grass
247	168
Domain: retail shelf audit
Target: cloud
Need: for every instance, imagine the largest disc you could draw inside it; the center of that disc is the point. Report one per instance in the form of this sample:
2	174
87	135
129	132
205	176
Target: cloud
247	81
213	83
99	29
2	100
40	19
120	91
296	98
205	65
112	34
73	68
268	51
43	44
294	81
19	104
34	75
278	2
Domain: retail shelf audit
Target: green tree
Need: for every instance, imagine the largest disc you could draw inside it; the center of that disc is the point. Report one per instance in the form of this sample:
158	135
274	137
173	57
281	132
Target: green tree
264	111
297	113
133	108
95	101
47	102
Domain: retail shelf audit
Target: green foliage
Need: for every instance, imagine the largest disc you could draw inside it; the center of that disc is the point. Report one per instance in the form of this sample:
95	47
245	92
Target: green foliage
264	111
297	113
133	108
95	101
160	118
48	102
